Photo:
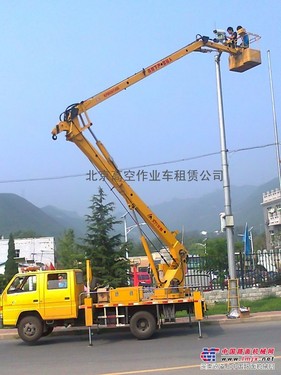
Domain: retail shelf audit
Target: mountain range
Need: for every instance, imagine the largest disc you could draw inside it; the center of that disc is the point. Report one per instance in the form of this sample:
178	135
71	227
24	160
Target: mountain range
18	214
193	214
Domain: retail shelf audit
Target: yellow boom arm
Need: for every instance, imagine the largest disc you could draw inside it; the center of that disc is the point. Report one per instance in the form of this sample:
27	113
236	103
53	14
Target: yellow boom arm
75	120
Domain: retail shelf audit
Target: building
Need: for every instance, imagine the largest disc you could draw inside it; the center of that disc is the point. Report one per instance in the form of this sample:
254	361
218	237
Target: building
29	251
142	262
272	217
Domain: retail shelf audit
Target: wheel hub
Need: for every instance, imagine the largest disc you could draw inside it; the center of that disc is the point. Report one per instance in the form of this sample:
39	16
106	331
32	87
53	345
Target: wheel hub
29	330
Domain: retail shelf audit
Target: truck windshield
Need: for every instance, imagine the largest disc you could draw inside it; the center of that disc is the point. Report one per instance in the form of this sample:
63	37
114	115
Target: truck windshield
25	283
143	277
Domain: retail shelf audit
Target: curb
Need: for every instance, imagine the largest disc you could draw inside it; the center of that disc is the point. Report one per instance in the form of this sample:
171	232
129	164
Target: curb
249	319
8	334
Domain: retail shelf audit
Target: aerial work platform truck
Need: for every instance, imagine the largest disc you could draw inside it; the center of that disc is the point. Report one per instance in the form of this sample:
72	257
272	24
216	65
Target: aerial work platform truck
37	301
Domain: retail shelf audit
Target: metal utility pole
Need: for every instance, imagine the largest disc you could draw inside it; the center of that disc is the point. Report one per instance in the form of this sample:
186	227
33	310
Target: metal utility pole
233	300
274	118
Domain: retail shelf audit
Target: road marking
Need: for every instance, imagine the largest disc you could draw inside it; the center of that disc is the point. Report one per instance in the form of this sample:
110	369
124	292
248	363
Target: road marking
152	370
147	371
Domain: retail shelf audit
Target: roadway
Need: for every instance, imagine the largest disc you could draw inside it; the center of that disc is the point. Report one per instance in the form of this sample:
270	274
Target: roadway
174	351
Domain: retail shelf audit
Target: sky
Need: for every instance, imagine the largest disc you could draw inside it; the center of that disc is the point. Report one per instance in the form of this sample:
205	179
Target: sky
59	52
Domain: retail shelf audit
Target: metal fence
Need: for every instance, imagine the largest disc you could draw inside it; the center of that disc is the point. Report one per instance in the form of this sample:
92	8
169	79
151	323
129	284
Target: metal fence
260	269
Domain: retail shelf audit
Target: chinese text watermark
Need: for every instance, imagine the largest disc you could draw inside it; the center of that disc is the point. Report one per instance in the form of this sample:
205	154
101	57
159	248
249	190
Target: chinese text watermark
154	175
237	358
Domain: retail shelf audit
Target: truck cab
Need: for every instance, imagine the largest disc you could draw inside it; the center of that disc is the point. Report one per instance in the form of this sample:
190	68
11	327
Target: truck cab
143	279
35	302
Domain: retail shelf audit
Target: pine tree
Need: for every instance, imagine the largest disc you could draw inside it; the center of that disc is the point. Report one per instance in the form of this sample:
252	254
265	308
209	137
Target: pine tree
3	282
102	246
11	267
68	254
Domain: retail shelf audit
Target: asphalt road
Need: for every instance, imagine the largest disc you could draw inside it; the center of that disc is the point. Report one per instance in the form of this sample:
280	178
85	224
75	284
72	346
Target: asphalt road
174	351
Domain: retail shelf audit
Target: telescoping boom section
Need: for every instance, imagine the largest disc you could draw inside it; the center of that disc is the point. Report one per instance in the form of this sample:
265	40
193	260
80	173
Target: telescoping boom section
240	60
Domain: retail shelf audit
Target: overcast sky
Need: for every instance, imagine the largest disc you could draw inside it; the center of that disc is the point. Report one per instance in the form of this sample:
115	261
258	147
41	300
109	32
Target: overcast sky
58	52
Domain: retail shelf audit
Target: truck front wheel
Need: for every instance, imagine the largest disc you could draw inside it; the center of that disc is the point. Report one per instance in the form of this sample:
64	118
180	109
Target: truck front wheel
30	329
143	325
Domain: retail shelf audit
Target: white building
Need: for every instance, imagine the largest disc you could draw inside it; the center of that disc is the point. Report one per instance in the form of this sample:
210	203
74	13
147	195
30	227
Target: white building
272	216
31	251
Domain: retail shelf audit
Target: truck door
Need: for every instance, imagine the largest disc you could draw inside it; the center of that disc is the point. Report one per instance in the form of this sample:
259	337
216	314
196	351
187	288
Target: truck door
58	296
22	295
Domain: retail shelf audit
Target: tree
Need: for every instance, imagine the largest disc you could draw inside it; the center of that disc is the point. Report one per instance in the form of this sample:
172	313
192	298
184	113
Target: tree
25	234
11	267
216	259
104	247
69	254
259	241
135	248
3	282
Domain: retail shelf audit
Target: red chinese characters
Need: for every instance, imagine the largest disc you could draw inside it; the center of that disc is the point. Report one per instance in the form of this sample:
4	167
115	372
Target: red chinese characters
111	91
159	65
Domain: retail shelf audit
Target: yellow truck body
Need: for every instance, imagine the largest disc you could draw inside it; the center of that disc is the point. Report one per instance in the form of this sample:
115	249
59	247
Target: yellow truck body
36	302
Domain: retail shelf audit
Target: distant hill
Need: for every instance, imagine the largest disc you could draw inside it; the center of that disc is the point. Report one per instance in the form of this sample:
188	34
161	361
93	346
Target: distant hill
202	213
68	219
18	214
194	214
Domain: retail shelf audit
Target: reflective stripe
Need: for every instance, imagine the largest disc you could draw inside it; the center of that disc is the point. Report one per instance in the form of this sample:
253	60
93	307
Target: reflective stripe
145	303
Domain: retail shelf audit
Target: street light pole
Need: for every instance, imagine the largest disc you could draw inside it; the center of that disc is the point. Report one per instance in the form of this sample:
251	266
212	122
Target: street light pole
126	246
252	240
205	234
229	222
274	119
125	233
127	230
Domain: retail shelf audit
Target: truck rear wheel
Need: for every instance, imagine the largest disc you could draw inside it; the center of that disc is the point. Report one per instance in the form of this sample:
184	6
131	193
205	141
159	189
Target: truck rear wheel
143	325
30	329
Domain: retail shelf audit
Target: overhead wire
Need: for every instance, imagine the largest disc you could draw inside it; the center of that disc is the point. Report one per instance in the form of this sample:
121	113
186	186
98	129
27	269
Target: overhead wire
141	166
112	189
138	167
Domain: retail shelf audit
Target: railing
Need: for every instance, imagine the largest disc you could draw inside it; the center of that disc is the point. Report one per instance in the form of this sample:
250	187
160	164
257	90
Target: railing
271	195
260	269
274	219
